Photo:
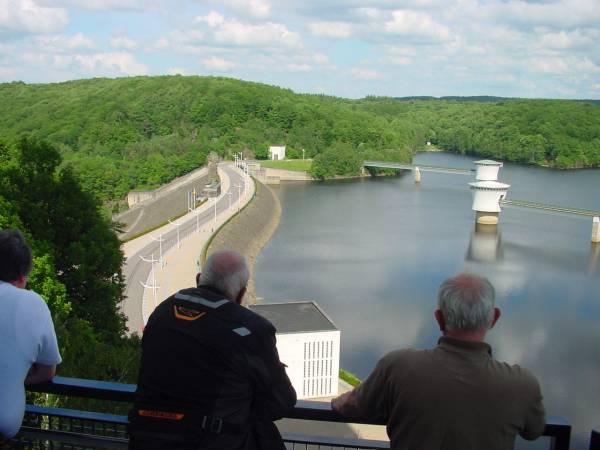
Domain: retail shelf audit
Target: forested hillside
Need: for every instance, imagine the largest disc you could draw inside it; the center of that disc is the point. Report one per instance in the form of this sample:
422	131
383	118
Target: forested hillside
136	133
77	260
556	133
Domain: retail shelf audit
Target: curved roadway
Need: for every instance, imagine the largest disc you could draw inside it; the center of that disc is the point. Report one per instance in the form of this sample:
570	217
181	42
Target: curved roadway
137	271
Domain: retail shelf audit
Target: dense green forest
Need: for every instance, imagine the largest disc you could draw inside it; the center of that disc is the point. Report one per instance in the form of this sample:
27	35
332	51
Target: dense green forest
139	132
556	133
77	260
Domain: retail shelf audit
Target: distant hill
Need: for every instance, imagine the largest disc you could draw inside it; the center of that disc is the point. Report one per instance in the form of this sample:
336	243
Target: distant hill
139	132
475	98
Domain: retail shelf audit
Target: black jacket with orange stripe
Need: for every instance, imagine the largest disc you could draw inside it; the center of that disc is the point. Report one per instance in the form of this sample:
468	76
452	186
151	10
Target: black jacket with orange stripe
205	356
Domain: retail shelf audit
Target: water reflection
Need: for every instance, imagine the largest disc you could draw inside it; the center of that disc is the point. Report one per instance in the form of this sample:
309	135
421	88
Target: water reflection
372	253
594	263
485	244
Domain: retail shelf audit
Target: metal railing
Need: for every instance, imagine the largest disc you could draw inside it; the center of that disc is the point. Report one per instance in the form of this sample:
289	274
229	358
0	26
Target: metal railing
595	440
47	427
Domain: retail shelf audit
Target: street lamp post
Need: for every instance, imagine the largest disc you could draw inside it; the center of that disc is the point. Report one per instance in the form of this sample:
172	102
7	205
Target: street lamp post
239	186
177	224
152	286
160	255
215	222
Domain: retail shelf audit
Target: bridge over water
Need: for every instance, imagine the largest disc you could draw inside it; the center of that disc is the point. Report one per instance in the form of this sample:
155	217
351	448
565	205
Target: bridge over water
401	166
547	207
499	198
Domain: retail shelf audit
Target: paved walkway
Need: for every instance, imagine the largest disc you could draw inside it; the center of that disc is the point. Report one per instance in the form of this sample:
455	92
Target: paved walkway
180	265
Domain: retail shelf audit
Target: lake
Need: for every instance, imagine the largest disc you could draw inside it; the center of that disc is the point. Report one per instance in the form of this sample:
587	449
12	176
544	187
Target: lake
372	253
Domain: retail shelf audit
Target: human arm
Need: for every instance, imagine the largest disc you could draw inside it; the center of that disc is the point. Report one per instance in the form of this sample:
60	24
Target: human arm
535	415
274	394
368	400
48	356
40	373
346	404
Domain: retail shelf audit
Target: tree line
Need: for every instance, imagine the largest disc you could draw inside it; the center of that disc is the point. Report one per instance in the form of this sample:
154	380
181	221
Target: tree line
77	260
139	132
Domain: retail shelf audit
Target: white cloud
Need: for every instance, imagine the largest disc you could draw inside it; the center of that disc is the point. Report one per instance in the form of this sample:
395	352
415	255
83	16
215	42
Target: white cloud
252	8
563	40
233	32
337	30
178	71
27	17
299	67
123	42
61	43
213	19
111	5
561	13
218	64
563	65
407	22
365	74
398	55
7	73
121	63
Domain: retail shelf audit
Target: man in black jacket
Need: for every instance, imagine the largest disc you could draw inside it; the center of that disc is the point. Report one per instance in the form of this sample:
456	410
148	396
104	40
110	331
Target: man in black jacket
210	376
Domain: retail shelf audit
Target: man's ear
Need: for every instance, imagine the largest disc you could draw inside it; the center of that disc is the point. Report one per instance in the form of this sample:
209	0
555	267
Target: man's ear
240	296
198	276
497	314
439	317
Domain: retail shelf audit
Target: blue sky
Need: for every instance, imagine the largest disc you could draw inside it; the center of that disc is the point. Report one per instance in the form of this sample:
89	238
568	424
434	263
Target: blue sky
347	48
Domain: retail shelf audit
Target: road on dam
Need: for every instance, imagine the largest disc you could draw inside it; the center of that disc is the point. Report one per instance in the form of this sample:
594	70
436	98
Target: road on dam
136	271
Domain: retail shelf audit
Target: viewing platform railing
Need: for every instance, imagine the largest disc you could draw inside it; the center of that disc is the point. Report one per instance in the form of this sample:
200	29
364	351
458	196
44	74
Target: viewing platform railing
595	440
85	429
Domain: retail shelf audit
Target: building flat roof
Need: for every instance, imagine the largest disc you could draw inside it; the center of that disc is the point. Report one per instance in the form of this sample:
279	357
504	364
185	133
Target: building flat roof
488	162
295	316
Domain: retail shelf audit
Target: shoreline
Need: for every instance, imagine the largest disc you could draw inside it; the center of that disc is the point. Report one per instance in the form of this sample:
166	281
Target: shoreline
249	231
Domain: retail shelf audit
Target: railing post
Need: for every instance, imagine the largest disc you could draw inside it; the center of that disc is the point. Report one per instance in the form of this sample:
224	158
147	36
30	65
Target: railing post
595	440
560	432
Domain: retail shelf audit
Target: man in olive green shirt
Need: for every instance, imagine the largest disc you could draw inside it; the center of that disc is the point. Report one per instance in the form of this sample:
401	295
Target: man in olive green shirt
454	396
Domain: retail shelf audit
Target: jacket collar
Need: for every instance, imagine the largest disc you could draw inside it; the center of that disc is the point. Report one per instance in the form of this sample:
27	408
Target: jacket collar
465	347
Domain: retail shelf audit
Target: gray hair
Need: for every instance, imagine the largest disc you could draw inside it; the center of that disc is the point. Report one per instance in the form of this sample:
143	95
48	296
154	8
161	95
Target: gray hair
227	272
467	302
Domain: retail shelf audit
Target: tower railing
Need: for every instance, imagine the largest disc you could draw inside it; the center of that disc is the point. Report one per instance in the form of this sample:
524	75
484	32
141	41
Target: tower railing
74	428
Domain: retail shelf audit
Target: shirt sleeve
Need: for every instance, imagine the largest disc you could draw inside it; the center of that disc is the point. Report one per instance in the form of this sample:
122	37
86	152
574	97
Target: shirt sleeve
371	394
535	415
47	351
276	395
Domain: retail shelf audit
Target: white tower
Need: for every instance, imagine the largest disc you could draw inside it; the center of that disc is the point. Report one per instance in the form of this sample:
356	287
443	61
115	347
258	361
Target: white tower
487	192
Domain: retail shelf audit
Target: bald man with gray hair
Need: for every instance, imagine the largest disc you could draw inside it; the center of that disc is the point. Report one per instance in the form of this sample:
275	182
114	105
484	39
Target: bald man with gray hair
210	376
454	396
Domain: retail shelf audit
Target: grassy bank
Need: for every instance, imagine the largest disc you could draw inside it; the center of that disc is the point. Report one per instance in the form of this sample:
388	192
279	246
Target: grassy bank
296	165
349	378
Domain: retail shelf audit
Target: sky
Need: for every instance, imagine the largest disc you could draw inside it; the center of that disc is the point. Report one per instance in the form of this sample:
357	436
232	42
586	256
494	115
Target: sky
345	48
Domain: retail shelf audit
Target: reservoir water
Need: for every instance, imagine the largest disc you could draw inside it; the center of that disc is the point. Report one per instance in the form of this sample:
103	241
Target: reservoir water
372	253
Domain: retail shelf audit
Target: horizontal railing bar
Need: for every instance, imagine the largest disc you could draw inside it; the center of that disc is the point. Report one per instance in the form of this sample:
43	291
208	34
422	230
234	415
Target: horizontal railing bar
556	427
293	438
77	387
68	437
77	414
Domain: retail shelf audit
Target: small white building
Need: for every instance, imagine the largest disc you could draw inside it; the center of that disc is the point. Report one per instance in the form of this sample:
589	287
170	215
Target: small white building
308	343
277	153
